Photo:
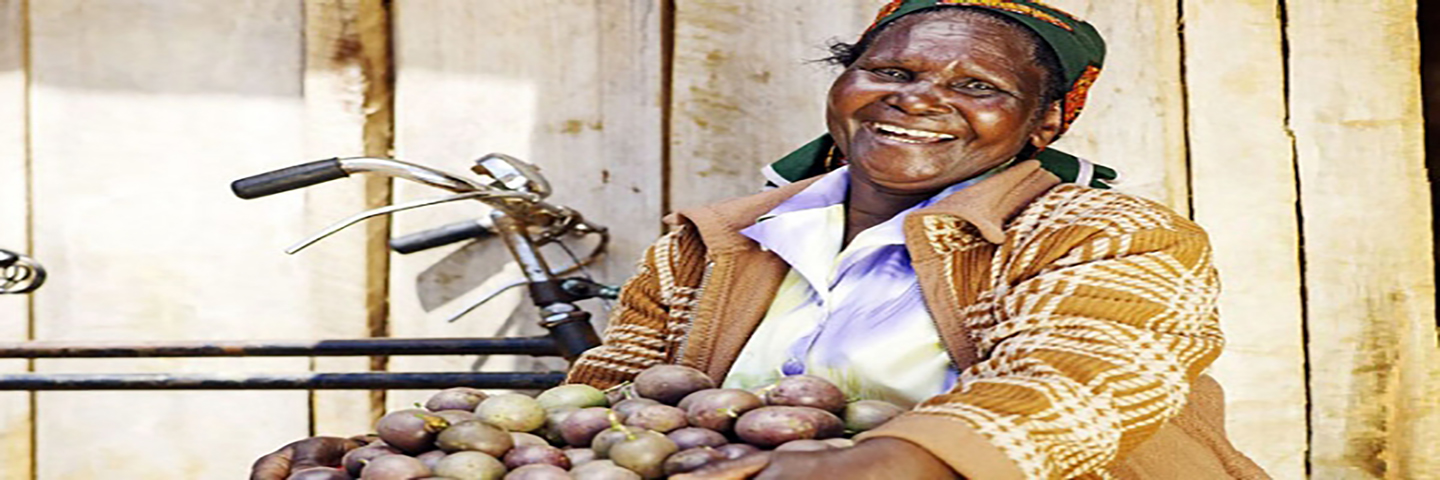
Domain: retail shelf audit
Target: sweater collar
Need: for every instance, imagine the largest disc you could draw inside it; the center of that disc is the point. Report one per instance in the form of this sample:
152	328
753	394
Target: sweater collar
988	205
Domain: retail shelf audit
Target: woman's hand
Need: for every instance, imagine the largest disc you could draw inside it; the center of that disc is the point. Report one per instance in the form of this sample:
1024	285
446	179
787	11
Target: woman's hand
302	454
880	459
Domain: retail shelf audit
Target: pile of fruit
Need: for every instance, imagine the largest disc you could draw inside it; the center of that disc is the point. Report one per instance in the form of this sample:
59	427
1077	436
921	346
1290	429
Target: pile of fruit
670	420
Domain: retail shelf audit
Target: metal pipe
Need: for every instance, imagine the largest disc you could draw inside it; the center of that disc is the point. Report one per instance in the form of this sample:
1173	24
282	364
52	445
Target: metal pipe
533	346
310	381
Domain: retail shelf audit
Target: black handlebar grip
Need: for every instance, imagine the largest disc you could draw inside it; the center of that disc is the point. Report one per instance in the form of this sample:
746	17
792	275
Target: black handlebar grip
288	178
435	237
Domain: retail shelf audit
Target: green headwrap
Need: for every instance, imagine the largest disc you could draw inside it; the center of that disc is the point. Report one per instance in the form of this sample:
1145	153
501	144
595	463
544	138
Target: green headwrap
1077	44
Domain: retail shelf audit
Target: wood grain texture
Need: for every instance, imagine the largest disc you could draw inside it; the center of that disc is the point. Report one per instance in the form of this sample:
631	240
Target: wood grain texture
143	112
1134	119
1355	110
572	87
15	411
347	114
1243	175
747	89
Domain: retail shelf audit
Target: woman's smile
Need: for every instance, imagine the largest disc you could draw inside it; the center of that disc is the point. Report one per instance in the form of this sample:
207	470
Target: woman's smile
896	133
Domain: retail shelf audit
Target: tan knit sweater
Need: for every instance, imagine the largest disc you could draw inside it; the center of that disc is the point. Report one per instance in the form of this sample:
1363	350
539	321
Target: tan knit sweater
1081	321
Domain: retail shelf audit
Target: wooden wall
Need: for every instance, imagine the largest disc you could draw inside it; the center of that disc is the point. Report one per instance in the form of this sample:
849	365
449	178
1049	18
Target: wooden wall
1291	130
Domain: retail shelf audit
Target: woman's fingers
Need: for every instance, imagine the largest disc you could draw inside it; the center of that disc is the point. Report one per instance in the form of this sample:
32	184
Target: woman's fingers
302	454
275	466
321	452
737	469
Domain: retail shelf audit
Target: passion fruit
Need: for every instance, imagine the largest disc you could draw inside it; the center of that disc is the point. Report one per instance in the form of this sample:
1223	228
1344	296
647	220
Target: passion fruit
603	470
470	466
458	398
660	418
719	410
529	454
475	435
411	430
644	454
690	460
669	384
736	450
576	395
538	471
581	426
355	460
768	427
628	407
320	473
867	414
512	411
394	467
691	437
806	391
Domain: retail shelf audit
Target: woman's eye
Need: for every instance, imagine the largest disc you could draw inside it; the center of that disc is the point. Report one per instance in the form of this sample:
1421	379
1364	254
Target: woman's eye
978	86
893	73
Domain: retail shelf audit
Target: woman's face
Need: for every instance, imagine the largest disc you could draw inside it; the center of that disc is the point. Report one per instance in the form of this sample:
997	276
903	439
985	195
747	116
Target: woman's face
937	99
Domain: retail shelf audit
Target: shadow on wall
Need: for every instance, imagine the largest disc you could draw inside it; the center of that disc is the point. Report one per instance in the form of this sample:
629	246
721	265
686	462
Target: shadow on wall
1429	18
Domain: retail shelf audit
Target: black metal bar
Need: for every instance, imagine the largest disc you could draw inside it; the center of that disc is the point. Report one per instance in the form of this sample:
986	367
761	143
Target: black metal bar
302	381
533	346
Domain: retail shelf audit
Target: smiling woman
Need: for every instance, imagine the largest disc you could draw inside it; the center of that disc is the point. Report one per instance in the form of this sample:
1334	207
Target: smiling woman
933	251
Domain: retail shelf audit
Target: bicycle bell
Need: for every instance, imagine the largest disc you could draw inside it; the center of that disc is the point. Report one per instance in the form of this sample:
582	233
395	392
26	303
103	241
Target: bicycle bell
510	173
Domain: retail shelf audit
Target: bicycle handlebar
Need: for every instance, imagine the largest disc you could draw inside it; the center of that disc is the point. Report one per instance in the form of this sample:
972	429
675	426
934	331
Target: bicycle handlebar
444	235
288	178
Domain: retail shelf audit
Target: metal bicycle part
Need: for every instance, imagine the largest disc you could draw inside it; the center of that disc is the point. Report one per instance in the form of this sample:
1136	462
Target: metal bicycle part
511	173
19	273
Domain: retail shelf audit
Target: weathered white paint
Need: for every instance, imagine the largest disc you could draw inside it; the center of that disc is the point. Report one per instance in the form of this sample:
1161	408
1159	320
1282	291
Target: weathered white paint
143	112
573	88
1243	176
15	411
1369	277
1134	119
747	88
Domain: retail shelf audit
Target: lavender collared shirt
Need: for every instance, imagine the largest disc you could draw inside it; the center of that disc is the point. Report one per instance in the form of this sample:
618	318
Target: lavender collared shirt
856	316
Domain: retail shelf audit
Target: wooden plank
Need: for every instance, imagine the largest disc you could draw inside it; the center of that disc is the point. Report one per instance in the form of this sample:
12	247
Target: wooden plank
15	407
347	113
1134	119
143	112
1243	174
574	88
1354	90
746	91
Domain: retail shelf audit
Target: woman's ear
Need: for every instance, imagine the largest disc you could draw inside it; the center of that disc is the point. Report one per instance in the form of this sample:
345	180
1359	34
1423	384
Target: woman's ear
1048	129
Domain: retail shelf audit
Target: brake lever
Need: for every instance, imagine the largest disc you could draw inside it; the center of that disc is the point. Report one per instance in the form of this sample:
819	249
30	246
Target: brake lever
353	219
488	297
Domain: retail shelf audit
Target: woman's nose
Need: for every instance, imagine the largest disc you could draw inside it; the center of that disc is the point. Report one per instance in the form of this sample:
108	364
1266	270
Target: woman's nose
920	99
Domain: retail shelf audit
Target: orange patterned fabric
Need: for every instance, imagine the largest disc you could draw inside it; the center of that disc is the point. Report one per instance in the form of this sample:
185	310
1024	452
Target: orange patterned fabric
1012	7
1075	99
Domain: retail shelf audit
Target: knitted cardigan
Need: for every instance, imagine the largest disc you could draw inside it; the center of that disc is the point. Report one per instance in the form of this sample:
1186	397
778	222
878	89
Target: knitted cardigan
1081	321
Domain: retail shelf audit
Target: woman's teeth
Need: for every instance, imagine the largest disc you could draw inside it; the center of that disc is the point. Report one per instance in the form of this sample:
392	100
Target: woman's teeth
911	136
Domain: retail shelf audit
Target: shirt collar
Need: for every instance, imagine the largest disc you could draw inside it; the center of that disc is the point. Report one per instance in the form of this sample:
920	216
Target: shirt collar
775	228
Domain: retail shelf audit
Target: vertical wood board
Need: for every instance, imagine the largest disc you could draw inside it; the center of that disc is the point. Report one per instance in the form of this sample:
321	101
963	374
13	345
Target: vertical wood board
15	411
346	70
1243	175
1355	112
143	112
748	88
573	88
1134	119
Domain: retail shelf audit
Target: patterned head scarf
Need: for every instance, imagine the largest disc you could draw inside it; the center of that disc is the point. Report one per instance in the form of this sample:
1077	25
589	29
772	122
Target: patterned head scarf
1076	43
